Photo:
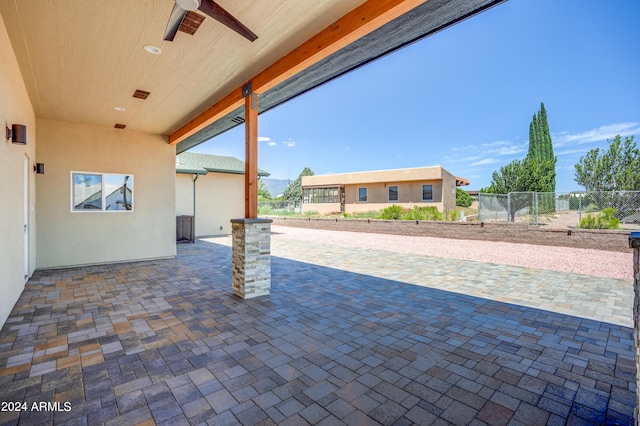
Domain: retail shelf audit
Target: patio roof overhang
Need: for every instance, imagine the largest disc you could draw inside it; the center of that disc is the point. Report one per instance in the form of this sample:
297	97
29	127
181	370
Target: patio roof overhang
80	59
327	56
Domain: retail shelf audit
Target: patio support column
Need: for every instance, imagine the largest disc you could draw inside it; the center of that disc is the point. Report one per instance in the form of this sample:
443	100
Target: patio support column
634	243
251	153
251	237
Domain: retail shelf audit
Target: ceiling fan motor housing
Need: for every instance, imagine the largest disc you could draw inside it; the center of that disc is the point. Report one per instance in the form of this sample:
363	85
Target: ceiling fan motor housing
188	4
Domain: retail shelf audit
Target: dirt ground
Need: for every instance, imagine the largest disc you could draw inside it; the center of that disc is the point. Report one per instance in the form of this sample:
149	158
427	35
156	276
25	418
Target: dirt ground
564	220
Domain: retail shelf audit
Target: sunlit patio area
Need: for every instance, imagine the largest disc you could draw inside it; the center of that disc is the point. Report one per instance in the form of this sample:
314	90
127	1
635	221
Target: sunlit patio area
166	342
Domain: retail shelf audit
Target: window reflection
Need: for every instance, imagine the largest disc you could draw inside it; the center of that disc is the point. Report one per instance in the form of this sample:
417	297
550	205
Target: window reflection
87	192
320	195
102	192
119	195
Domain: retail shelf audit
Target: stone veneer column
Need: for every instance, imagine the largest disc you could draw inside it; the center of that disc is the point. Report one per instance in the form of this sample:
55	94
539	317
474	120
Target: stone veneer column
634	243
251	258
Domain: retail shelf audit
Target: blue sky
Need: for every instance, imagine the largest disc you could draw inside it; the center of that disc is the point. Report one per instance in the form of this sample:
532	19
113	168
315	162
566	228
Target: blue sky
464	98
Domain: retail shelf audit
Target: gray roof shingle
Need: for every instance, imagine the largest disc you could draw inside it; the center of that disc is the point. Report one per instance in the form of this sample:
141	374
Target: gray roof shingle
192	163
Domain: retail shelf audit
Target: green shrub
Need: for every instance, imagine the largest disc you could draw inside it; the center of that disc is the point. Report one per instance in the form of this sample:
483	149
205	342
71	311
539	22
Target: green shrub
266	209
422	213
463	199
605	220
369	214
394	211
453	216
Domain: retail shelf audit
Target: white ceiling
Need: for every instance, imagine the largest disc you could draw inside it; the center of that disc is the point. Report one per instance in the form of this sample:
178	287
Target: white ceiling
82	58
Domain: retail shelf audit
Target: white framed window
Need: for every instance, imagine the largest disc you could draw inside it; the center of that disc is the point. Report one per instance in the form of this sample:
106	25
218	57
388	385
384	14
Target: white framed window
427	192
393	193
362	195
101	192
320	195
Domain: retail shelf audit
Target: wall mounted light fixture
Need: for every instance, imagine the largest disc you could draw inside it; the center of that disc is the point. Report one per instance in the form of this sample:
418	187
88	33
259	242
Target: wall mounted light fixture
38	168
17	133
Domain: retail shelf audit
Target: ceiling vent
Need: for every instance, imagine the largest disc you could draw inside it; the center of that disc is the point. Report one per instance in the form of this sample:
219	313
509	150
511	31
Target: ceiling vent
141	94
191	23
120	126
238	120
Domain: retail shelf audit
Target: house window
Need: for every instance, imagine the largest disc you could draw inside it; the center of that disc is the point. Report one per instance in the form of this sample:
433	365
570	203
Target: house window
427	192
362	195
320	195
393	193
101	192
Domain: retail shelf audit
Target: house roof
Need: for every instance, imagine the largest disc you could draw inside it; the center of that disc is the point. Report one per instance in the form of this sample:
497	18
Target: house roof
193	163
460	181
82	58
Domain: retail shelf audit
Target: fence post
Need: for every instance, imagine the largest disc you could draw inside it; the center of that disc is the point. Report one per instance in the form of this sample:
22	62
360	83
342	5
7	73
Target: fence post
510	217
580	207
634	243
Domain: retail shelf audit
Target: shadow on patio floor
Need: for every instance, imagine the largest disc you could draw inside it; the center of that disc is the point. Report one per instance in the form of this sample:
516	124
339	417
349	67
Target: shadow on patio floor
166	342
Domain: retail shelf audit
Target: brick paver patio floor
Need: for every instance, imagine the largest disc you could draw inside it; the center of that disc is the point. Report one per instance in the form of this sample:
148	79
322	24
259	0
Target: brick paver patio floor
165	342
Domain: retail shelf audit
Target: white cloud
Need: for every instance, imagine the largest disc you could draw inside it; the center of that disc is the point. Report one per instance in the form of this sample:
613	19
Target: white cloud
289	143
509	149
598	134
465	148
267	140
496	148
473	158
496	143
571	152
485	161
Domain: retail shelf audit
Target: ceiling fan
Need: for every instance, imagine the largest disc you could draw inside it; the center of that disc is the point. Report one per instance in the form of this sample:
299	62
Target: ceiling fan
209	7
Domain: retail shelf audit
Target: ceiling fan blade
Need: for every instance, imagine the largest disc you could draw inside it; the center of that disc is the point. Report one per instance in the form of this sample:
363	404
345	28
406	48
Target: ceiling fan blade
175	19
219	14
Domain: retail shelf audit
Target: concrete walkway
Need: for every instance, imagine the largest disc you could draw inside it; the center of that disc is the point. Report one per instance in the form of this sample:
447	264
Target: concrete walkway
343	339
586	296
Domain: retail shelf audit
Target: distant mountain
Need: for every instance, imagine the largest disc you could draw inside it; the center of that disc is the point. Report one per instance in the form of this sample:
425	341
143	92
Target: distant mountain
276	187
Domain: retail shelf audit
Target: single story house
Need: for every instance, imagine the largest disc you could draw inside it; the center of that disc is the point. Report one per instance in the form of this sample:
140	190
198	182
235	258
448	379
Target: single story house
375	190
213	187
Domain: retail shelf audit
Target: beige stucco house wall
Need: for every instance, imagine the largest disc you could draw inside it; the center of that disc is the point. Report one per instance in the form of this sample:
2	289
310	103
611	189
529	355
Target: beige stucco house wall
56	237
219	198
409	183
15	108
67	238
219	191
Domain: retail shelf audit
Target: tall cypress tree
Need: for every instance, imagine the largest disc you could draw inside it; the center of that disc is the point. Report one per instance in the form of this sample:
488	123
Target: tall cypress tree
533	137
545	142
541	153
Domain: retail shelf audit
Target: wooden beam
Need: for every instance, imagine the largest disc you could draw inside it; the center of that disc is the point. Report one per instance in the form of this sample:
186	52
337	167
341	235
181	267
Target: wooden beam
215	112
361	21
251	156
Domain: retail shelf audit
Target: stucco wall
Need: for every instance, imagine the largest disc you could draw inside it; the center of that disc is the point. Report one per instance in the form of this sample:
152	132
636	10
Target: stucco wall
408	192
219	198
15	108
448	191
68	238
409	195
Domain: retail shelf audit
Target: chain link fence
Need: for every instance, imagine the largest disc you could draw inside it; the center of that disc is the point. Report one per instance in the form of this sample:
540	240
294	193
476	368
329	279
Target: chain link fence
559	209
279	207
